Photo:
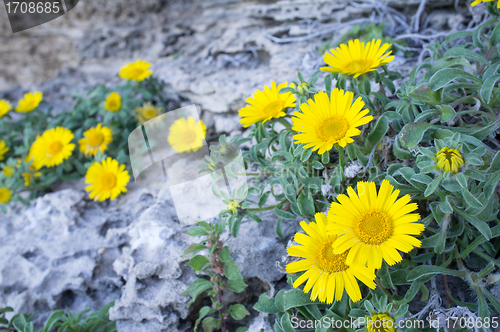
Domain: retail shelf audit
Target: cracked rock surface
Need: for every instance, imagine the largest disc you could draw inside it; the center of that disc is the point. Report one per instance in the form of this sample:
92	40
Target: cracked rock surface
66	251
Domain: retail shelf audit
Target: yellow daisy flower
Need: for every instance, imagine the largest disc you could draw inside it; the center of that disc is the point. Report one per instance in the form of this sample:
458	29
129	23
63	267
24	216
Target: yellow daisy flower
374	227
477	2
95	139
136	71
449	160
5	195
30	102
187	135
52	148
28	176
381	323
356	59
3	149
267	104
35	166
326	272
8	171
5	107
147	112
113	102
325	122
107	179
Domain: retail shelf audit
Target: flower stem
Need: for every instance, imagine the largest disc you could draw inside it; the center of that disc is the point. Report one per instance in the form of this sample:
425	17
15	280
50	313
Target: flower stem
219	296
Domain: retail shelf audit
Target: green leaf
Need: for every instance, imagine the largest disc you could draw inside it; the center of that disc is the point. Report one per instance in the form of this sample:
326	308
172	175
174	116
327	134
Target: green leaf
495	36
253	216
53	320
198	262
432	186
193	249
238	311
485	131
328	84
306	154
447	112
412	134
279	300
279	229
196	288
286	89
471	200
495	164
399	152
225	255
203	313
266	305
296	298
242	329
385	276
483	311
6	309
284	214
487	87
424	94
379	131
236	285
480	225
306	204
444	76
203	224
459	52
445	205
263	198
196	231
325	157
410	293
491	70
286	324
231	270
208	324
422	271
236	226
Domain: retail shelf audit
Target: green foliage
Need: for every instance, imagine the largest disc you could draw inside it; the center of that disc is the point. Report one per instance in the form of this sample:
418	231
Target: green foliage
224	275
60	321
450	102
19	131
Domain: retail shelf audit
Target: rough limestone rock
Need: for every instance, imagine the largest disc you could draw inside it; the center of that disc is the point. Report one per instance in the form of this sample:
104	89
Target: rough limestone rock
214	53
66	251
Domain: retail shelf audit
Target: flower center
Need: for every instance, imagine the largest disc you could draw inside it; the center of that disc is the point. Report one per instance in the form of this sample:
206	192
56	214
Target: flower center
189	136
359	66
273	108
149	114
333	128
54	148
380	323
108	181
96	139
374	227
137	71
328	261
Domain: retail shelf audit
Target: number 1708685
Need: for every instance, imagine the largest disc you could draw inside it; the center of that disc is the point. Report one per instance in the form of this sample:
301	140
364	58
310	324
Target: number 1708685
20	7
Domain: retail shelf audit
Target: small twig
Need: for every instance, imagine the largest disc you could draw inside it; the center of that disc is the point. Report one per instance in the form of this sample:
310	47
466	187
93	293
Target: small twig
315	34
416	18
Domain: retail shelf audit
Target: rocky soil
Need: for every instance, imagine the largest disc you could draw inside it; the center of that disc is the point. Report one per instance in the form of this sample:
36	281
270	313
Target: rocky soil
65	251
